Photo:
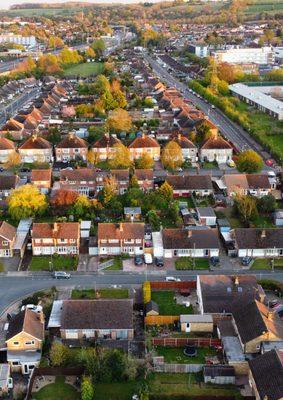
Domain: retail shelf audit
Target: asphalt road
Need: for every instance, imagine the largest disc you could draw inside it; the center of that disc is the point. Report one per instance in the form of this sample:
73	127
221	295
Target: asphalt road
233	132
13	288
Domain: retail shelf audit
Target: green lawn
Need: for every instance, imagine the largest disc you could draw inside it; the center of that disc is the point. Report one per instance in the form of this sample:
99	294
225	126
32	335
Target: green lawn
169	386
59	263
114	391
104	293
191	263
187	200
117	265
175	355
167	305
265	263
86	69
262	221
58	390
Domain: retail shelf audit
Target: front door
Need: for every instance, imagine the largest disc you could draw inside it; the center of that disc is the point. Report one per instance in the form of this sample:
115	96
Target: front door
26	370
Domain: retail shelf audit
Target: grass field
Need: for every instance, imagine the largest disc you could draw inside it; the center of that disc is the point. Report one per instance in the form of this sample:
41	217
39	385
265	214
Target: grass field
176	355
167	305
265	6
188	263
58	390
114	391
86	69
265	263
104	293
59	263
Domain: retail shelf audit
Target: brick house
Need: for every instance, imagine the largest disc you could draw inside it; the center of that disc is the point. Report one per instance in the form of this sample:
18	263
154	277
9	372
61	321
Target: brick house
41	178
81	180
189	150
24	339
185	185
71	148
121	238
93	319
257	185
57	237
7	239
122	178
104	147
144	144
216	149
7	184
256	242
145	179
36	149
7	148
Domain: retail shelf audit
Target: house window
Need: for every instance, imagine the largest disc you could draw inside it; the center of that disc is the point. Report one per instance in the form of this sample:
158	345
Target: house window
72	240
16	343
15	363
5	243
30	343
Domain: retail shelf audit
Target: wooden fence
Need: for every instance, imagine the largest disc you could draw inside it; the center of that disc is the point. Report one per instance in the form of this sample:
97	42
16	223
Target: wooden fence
51	371
181	342
173	285
178	368
161	319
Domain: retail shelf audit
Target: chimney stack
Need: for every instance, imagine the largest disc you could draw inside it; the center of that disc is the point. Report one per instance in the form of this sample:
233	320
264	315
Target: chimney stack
190	233
55	227
263	234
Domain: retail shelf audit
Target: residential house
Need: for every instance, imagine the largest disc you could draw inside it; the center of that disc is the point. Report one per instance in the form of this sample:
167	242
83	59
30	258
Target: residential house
186	185
206	216
266	375
201	242
122	178
7	184
71	148
7	149
121	238
216	149
189	150
222	294
256	242
93	319
7	239
24	340
257	185
57	237
81	180
13	128
144	144
36	149
145	179
41	178
104	148
132	213
255	323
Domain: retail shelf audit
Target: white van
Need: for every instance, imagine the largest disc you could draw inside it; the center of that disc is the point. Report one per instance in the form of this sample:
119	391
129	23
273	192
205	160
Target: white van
172	279
148	258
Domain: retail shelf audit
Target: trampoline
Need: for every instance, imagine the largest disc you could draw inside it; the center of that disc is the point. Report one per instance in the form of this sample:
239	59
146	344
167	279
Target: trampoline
190	351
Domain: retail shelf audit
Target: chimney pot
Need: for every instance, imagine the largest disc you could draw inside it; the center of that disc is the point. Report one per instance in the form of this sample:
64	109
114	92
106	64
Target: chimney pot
190	233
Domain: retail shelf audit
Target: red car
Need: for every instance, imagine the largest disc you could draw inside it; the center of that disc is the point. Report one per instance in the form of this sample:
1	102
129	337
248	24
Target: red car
269	162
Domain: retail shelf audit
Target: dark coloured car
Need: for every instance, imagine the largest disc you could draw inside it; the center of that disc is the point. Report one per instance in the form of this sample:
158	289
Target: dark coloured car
138	260
214	261
159	262
246	261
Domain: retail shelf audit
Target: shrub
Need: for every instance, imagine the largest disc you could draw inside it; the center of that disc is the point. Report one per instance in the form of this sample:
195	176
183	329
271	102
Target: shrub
146	292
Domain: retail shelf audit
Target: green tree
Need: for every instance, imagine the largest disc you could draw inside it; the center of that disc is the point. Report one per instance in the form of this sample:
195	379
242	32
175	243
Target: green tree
25	202
101	84
134	182
249	161
114	362
246	206
154	220
99	47
58	354
266	204
81	206
166	191
87	390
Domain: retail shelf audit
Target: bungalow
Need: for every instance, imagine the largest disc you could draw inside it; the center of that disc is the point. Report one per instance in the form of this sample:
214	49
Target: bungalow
266	375
7	239
104	148
36	149
71	148
121	238
185	185
144	144
145	179
59	237
189	150
255	323
41	178
24	340
257	185
7	184
81	180
190	243
7	149
256	242
216	149
93	319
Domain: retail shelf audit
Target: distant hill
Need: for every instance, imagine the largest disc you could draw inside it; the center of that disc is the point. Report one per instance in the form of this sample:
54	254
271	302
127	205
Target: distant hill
68	4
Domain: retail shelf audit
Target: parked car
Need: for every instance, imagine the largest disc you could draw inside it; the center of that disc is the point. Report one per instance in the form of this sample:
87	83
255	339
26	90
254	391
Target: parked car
148	258
172	279
273	303
159	262
231	164
246	261
61	275
138	260
214	261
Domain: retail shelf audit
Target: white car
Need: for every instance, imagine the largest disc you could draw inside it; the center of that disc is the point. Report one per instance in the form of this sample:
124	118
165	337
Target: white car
172	279
148	258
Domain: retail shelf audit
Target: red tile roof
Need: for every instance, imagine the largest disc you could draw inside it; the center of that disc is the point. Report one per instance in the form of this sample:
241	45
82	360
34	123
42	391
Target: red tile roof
36	142
62	230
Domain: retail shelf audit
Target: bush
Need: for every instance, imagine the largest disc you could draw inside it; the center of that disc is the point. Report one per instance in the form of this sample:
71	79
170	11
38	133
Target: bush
275	286
146	292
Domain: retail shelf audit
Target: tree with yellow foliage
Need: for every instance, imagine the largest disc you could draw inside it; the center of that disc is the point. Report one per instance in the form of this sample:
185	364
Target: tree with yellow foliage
13	160
119	120
25	202
121	158
145	161
172	156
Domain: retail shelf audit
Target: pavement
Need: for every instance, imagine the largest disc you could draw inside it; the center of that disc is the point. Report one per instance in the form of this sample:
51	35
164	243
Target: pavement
233	132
